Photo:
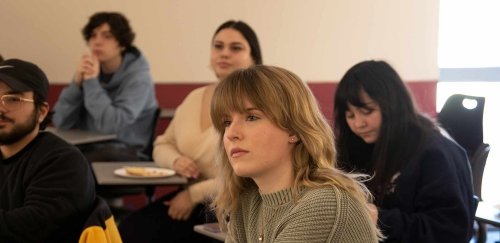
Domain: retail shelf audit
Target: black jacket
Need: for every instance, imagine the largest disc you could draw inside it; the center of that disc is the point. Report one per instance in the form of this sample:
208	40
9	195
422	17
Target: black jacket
432	197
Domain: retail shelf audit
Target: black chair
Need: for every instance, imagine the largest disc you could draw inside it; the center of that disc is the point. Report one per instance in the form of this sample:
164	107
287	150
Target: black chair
100	226
146	154
480	232
465	126
478	162
463	123
113	192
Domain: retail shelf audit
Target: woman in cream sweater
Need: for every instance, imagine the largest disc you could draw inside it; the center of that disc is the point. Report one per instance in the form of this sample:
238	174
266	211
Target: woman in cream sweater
188	146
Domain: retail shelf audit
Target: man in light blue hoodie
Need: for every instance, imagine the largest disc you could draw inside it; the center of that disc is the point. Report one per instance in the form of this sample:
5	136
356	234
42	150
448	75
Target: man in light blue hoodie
111	91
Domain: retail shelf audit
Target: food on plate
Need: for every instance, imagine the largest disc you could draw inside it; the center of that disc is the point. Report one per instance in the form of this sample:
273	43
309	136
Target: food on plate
137	171
142	171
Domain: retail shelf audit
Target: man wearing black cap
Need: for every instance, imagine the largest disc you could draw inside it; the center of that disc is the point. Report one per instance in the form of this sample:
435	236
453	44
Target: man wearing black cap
46	185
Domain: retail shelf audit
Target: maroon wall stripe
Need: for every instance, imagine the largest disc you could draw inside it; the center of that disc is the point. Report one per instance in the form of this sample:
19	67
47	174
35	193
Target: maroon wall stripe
170	95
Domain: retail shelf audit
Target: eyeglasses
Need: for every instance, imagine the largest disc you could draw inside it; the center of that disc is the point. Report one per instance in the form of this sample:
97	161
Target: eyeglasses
13	101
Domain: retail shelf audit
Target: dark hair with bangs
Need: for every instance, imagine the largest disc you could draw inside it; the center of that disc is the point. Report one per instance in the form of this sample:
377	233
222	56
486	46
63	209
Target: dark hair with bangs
402	132
118	24
249	36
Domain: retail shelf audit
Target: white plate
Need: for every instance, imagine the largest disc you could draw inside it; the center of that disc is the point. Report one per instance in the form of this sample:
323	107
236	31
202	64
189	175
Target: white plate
154	173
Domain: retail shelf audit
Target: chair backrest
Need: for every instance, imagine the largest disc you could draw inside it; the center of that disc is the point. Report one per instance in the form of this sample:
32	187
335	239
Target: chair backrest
100	226
477	162
475	200
146	154
464	123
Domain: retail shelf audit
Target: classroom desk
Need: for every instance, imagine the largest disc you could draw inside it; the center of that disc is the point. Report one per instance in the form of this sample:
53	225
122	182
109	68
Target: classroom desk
488	214
167	113
208	230
104	173
78	137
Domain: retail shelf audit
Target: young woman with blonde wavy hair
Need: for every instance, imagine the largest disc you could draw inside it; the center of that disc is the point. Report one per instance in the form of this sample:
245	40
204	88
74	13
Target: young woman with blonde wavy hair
277	178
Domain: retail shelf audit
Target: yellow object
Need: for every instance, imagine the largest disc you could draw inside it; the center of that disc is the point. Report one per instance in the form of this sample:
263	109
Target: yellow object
137	171
100	226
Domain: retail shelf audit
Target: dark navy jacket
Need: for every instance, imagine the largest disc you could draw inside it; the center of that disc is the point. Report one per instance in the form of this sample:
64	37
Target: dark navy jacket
432	197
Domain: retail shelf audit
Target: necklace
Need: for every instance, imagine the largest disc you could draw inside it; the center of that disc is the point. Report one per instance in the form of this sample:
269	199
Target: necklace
261	232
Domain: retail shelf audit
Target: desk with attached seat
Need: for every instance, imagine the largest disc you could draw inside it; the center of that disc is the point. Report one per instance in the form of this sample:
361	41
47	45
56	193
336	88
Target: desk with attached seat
105	176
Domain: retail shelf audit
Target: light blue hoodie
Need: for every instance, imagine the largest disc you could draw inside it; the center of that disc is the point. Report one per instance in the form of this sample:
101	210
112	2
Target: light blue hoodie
125	105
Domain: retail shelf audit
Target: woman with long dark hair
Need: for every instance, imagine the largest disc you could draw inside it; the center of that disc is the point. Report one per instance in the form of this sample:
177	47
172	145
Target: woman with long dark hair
421	179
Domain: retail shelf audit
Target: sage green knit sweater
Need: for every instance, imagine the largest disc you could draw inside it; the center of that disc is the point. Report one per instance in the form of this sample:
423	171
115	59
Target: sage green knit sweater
319	215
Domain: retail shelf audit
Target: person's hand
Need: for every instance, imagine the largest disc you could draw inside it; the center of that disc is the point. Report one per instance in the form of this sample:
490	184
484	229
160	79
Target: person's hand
181	206
373	212
87	68
186	167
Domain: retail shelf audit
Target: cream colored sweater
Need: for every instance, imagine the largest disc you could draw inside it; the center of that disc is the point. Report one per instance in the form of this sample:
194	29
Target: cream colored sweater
320	215
184	137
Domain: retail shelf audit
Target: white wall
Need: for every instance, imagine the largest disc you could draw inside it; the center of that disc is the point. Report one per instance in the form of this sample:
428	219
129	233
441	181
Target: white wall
317	39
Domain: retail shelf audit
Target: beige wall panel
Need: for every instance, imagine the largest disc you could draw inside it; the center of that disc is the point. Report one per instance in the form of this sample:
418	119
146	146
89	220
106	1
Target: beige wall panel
317	39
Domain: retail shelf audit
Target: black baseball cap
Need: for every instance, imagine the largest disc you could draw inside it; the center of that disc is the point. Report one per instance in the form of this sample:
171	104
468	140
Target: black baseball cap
22	76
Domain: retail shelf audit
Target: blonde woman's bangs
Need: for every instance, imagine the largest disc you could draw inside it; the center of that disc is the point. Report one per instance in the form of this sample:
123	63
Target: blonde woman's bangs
264	89
230	96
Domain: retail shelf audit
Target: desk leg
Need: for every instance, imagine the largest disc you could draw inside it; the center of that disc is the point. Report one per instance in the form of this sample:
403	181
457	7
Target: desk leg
150	194
481	232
